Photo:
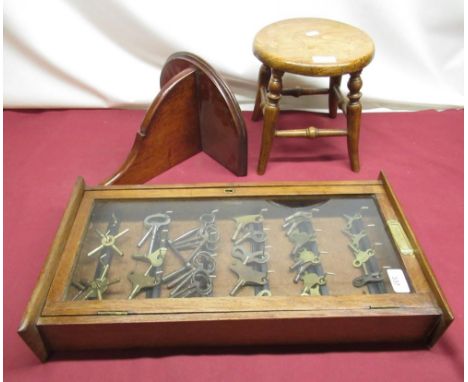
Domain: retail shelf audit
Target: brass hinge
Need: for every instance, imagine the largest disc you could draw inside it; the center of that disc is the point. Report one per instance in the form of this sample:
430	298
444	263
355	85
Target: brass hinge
112	313
400	237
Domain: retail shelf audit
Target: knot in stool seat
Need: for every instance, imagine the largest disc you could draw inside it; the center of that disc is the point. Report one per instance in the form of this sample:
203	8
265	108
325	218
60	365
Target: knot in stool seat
310	47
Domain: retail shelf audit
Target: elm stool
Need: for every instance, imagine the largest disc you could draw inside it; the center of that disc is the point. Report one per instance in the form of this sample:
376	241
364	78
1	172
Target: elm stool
310	47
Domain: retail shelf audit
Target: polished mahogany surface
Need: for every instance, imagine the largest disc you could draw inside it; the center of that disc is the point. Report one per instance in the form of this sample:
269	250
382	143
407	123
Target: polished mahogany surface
194	111
223	133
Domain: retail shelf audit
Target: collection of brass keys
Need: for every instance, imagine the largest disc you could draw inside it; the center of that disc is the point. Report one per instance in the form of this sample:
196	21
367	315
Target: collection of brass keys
250	262
364	255
95	288
196	251
305	253
195	277
192	279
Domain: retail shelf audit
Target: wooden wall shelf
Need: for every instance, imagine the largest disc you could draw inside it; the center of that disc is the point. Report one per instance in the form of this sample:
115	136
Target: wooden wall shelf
194	111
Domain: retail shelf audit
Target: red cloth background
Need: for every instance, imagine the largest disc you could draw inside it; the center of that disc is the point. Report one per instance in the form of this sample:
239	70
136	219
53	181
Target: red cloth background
421	153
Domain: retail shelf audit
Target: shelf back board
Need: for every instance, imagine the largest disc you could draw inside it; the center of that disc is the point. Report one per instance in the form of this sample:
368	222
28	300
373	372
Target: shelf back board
194	111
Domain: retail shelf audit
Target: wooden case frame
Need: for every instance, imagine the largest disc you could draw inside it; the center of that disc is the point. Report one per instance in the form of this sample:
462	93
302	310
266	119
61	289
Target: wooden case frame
49	324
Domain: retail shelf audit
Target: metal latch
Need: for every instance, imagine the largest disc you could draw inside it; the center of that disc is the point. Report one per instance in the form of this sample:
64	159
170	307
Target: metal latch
400	237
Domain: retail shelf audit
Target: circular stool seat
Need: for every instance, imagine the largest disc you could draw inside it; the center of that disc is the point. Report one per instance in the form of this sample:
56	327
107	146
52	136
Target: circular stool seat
313	47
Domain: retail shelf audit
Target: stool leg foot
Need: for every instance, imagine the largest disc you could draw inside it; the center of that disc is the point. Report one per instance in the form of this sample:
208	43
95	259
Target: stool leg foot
263	76
269	120
353	115
332	98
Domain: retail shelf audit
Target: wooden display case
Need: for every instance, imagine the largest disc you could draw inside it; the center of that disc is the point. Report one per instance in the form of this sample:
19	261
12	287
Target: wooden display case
324	263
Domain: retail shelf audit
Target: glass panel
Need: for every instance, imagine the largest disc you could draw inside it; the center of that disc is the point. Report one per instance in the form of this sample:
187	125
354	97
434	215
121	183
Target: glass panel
283	246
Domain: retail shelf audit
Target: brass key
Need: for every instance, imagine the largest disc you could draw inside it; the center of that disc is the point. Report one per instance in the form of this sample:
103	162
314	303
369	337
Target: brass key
350	221
200	284
141	281
293	225
312	282
356	239
189	234
154	222
155	258
305	257
362	257
298	214
247	276
366	279
200	260
108	240
242	221
248	257
256	236
93	289
300	239
264	293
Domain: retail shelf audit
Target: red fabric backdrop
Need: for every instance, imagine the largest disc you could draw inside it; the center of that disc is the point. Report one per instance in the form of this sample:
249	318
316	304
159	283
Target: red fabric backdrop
421	153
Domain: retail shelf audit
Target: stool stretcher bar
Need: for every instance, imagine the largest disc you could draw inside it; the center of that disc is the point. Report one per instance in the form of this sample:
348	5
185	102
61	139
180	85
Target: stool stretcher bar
298	91
310	132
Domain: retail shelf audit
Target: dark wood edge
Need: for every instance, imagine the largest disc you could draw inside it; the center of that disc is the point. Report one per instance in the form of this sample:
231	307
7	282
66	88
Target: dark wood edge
28	327
447	314
157	101
236	185
229	315
146	125
226	92
402	303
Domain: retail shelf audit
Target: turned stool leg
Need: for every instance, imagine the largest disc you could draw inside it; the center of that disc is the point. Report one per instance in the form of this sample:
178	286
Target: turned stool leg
263	76
353	115
332	98
271	111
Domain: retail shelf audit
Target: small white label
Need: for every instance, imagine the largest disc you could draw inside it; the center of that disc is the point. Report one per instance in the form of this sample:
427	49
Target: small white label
324	59
312	33
398	281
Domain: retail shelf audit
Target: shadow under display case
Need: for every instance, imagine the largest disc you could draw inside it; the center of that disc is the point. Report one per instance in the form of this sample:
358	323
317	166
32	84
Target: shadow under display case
324	263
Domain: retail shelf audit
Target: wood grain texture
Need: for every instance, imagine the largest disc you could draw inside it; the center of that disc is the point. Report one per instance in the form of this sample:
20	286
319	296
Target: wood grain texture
194	111
168	135
290	306
313	47
267	187
270	111
447	316
222	127
402	330
353	119
28	329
